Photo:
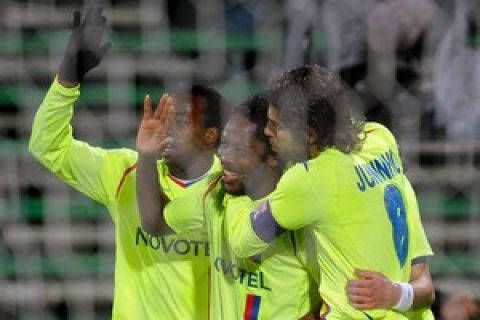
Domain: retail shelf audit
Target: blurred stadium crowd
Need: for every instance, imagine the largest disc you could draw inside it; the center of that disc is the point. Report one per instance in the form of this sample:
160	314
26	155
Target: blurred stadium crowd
414	63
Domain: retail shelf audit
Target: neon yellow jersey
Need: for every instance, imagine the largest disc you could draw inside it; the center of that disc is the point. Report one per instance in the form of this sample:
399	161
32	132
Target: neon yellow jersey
356	208
274	285
155	277
419	246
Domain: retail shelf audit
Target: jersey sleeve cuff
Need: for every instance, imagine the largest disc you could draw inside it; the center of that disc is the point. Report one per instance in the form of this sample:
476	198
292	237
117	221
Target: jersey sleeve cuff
72	92
420	259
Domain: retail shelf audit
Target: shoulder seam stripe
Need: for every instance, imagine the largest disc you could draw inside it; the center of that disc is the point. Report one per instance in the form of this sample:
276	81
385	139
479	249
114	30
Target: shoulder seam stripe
125	174
212	186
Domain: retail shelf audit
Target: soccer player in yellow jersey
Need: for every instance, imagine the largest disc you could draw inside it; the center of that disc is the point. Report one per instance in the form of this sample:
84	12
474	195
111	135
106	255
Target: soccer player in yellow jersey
155	277
373	290
274	285
347	187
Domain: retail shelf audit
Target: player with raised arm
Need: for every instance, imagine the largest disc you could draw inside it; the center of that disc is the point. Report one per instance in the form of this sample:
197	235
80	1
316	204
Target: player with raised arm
155	277
274	285
347	186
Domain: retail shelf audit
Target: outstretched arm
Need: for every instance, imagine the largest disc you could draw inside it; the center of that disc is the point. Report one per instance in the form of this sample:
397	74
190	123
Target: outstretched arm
86	168
254	226
151	138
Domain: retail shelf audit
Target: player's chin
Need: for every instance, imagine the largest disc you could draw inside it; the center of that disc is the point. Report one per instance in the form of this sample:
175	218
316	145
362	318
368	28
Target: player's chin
233	188
273	145
273	160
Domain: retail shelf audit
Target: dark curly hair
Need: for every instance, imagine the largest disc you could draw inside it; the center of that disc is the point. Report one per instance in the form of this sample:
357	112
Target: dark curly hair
255	110
311	97
212	107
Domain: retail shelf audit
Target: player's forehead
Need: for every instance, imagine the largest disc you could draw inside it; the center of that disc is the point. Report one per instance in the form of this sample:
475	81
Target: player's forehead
186	104
238	130
183	103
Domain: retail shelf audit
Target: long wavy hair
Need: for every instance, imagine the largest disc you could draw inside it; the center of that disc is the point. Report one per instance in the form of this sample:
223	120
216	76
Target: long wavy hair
311	97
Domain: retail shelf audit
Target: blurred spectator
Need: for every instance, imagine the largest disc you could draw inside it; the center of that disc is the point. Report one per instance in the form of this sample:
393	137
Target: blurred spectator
379	47
397	34
240	22
457	75
300	16
457	306
245	19
182	16
395	29
346	30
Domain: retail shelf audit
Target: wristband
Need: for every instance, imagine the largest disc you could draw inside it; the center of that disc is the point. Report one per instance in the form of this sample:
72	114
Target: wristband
406	298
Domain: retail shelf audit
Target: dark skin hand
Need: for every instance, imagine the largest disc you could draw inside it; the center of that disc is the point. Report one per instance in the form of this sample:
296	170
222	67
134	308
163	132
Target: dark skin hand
151	138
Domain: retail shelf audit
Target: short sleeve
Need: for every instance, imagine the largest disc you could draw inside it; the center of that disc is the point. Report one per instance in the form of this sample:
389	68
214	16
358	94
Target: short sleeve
242	239
420	247
296	201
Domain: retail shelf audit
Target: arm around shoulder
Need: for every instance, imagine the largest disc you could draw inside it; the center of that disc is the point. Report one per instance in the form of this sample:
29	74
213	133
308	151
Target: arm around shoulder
243	240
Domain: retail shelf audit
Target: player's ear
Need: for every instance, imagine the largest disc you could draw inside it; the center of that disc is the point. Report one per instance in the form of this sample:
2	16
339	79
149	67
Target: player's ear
211	135
312	146
312	137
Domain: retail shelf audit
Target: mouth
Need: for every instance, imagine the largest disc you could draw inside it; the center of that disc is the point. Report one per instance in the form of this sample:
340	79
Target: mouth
168	149
230	176
273	144
233	182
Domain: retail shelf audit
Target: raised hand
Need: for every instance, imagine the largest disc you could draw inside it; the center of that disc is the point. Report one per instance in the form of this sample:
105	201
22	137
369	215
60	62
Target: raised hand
85	49
152	135
372	290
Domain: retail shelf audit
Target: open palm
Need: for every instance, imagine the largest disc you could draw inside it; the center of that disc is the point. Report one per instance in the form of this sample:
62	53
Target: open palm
152	135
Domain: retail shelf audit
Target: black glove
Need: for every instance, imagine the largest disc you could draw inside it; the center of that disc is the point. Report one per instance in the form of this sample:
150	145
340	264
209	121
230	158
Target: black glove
84	50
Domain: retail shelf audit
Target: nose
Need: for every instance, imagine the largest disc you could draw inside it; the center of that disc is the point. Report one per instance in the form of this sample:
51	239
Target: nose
268	131
226	154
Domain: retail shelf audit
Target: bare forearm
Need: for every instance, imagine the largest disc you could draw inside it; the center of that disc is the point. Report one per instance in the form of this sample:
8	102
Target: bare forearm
150	197
151	138
421	282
